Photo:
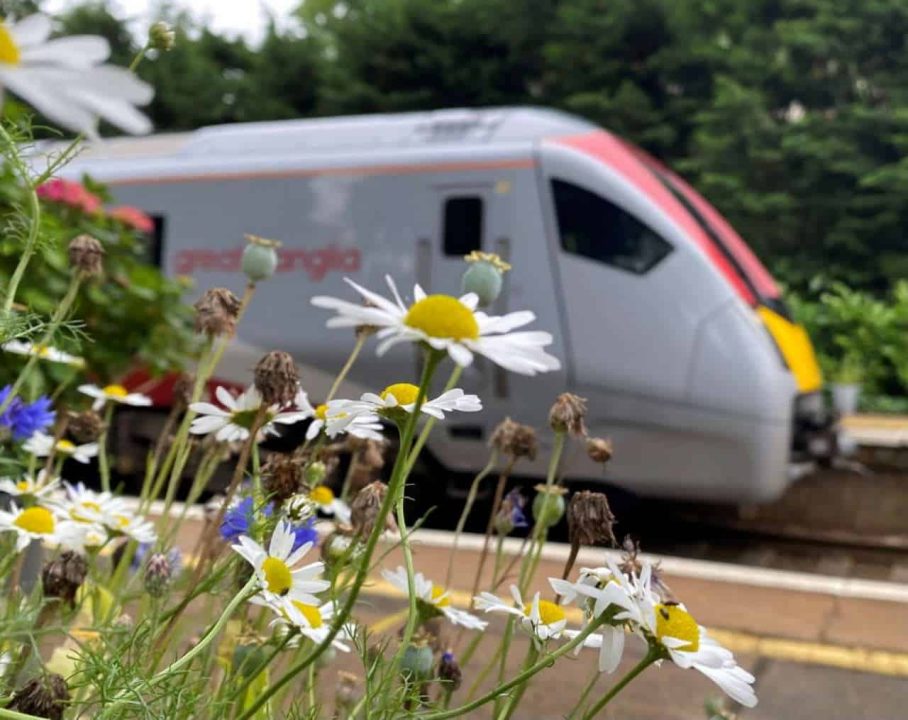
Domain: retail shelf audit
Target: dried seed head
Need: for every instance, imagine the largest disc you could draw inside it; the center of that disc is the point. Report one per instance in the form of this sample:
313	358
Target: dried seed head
86	255
515	440
567	414
182	391
161	36
590	519
158	572
449	672
282	477
364	509
599	450
45	697
62	578
85	426
217	312
277	378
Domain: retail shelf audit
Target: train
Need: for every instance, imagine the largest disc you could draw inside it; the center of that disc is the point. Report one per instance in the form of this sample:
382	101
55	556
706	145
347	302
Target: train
662	316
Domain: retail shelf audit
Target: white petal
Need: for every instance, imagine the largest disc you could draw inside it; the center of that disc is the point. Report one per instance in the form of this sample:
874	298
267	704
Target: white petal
80	51
31	30
612	648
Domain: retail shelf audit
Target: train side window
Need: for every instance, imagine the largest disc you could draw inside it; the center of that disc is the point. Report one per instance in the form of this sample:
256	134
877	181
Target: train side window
591	226
462	225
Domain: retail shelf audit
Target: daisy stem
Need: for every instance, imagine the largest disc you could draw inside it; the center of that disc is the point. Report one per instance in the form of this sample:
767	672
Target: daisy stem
578	707
430	423
398	477
648	659
354	353
468	506
34	210
514	699
544	662
490	525
55	321
103	461
499	560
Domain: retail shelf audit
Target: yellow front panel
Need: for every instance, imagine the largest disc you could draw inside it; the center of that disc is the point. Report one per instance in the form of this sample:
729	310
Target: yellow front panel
796	348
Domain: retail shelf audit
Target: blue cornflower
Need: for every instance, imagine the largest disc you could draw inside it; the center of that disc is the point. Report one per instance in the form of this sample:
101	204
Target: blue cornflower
22	419
239	518
510	513
305	532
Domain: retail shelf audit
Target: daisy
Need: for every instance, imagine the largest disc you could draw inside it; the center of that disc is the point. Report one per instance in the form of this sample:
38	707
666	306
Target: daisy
44	352
323	498
446	323
103	510
311	621
402	396
36	486
34	523
136	528
433	599
42	445
233	421
688	645
276	567
335	420
114	393
541	619
65	81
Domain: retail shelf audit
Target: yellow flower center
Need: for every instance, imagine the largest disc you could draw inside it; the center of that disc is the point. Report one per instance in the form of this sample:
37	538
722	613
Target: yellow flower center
549	612
122	520
9	51
321	495
37	520
404	393
674	621
65	446
22	486
443	316
41	351
321	412
117	391
310	612
437	592
277	575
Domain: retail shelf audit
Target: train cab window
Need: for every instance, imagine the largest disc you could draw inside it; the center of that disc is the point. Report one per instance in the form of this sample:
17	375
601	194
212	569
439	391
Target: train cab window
462	225
591	226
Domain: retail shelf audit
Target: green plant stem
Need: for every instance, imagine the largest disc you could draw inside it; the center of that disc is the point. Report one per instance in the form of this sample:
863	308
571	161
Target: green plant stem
413	613
468	506
13	715
514	700
544	662
103	460
55	321
578	707
345	370
398	477
648	659
430	423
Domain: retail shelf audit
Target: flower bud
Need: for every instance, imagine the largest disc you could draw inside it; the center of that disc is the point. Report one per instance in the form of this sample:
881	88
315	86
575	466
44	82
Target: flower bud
259	258
157	575
62	578
590	519
161	36
85	426
217	312
510	514
45	697
568	413
86	255
515	440
277	378
449	672
281	478
599	450
365	508
417	661
336	548
300	507
548	505
316	472
484	277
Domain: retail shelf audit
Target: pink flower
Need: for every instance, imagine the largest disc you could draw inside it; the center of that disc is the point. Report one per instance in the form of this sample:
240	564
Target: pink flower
132	217
70	193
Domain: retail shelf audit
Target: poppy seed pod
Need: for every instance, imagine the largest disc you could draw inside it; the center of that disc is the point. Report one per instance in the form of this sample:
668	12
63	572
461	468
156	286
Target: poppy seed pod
485	276
217	312
259	258
515	440
568	413
277	378
85	426
44	697
417	661
548	505
62	578
590	519
86	255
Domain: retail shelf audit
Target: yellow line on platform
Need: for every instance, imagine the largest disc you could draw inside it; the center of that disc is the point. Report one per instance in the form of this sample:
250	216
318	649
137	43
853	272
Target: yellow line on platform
878	662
